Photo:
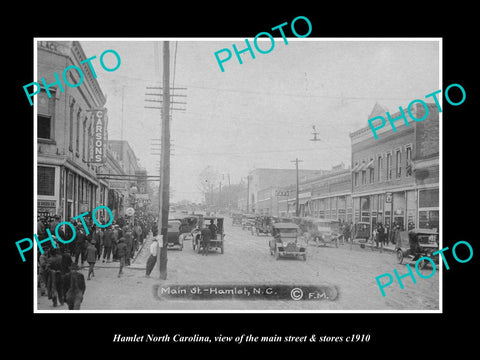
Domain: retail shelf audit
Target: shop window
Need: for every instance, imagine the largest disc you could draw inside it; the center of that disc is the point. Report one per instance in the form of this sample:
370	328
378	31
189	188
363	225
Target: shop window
428	219
428	198
45	180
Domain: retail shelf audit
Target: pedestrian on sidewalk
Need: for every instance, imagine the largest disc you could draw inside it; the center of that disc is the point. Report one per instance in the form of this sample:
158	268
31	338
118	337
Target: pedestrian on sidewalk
152	259
98	237
107	244
91	258
129	242
121	254
80	245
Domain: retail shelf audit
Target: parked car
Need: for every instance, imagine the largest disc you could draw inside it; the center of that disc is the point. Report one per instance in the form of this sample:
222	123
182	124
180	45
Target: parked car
173	234
263	225
415	244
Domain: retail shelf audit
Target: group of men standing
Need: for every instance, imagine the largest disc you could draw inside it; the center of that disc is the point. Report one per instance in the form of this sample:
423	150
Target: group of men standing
57	267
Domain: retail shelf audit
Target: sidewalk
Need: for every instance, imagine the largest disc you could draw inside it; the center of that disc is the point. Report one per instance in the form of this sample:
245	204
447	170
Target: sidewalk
373	246
137	263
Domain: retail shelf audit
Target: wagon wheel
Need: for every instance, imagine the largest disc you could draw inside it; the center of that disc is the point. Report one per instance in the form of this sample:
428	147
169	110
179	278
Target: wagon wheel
399	255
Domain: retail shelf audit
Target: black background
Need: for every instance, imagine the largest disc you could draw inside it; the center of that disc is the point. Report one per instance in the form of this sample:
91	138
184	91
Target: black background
407	334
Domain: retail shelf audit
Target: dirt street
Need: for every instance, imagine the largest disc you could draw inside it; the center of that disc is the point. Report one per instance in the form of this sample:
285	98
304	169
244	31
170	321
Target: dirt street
247	261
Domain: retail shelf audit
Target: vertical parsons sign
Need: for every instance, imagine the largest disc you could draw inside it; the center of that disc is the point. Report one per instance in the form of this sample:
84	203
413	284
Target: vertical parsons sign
98	136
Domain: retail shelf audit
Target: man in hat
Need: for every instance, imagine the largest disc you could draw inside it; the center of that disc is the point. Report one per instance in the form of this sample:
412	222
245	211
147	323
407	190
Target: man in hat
91	258
80	244
121	253
75	282
152	259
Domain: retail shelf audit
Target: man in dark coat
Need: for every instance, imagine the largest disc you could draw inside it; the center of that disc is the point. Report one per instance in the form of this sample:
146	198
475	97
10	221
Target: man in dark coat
75	282
107	244
80	245
206	236
54	277
121	253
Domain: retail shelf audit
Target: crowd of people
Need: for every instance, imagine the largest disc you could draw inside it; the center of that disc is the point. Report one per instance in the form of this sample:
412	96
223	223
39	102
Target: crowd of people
381	234
58	267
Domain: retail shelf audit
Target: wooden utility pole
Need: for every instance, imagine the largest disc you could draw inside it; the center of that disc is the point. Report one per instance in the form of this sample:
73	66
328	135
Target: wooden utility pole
297	208
164	190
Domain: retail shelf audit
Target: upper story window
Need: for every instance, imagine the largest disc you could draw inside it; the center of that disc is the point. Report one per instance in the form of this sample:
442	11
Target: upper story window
408	161
398	164
379	168
389	166
45	115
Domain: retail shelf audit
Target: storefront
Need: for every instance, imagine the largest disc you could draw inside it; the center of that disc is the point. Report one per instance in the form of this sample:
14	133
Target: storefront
428	208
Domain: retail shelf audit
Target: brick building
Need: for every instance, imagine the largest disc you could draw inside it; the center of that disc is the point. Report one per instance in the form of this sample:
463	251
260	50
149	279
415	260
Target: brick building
395	178
262	183
326	196
66	179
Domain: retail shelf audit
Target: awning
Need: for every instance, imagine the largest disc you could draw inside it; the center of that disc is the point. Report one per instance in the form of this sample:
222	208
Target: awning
370	164
355	167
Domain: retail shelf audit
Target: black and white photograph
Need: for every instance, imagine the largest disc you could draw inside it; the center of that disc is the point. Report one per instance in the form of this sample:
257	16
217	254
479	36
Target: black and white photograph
282	193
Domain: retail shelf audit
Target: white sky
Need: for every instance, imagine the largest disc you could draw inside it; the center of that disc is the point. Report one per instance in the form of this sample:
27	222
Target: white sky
260	113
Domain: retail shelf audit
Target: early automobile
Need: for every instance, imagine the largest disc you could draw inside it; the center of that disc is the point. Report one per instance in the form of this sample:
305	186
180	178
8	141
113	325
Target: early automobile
415	244
361	234
248	221
173	234
188	223
236	219
215	224
322	231
285	241
263	225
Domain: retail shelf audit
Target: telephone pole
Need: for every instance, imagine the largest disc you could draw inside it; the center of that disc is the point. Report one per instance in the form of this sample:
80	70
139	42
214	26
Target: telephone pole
164	190
296	161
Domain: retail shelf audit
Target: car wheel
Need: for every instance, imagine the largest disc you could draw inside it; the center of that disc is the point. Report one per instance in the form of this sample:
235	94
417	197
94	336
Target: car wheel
399	255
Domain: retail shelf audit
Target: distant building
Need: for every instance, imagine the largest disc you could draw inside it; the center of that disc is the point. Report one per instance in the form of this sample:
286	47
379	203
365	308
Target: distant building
260	180
327	196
